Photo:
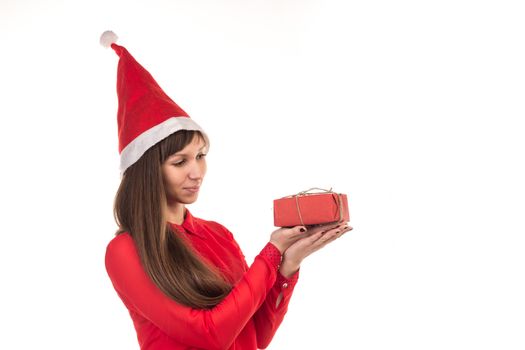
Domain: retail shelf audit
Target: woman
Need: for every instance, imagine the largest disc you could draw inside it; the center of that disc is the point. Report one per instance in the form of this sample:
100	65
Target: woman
183	279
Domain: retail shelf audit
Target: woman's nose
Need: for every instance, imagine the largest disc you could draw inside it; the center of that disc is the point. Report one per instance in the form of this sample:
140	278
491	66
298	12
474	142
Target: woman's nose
195	172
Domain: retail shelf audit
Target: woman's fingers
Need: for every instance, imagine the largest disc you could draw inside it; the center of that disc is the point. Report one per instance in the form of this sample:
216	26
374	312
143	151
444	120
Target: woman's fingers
331	235
320	234
325	227
315	239
315	236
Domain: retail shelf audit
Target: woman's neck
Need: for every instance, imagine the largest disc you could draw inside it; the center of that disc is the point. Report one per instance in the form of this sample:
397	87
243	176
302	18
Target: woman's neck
176	213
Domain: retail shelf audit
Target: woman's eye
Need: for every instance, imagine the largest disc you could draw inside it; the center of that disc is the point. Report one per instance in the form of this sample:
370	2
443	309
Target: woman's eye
199	156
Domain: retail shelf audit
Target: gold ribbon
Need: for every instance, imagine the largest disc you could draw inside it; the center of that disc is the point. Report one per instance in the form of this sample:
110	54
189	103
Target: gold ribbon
305	193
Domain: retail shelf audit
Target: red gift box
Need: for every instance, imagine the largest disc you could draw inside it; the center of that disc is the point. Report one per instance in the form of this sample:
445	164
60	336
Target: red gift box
310	208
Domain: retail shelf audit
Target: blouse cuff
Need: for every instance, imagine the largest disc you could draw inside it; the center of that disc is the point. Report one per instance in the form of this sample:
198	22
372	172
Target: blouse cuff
287	283
272	255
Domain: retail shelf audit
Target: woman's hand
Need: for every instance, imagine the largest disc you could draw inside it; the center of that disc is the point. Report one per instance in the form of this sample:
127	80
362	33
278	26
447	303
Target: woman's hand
284	237
316	238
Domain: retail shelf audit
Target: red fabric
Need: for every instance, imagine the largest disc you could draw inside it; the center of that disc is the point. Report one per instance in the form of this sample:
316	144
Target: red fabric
246	319
142	104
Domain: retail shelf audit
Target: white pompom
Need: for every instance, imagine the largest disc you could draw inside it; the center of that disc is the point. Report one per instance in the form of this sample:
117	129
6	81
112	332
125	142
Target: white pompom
107	38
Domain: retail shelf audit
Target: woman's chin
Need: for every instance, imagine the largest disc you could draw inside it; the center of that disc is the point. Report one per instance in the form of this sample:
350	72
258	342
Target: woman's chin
189	199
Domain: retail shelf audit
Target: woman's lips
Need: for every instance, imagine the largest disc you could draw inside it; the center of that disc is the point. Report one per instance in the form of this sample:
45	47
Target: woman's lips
192	189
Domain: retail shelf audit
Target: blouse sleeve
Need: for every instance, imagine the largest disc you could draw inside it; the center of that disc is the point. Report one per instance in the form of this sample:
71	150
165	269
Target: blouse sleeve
215	328
269	317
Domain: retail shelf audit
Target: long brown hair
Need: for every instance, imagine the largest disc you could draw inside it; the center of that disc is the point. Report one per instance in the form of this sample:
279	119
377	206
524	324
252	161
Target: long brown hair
140	209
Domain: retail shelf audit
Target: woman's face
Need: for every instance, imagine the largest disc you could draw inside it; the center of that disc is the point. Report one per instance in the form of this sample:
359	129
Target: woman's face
184	171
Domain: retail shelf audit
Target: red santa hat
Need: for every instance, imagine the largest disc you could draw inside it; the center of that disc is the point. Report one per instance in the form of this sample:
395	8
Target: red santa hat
146	115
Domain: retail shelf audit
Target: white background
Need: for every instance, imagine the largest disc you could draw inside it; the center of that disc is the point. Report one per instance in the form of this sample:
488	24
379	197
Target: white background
414	109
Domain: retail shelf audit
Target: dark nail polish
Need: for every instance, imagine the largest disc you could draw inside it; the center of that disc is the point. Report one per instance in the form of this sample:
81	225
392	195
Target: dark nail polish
302	229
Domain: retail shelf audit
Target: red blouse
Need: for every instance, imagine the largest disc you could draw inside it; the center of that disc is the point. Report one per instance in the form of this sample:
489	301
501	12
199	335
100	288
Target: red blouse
246	319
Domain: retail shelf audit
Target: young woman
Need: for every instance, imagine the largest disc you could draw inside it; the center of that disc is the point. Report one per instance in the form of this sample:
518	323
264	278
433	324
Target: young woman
184	280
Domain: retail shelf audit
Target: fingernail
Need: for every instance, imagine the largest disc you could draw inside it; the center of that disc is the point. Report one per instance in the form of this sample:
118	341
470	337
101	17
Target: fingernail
302	229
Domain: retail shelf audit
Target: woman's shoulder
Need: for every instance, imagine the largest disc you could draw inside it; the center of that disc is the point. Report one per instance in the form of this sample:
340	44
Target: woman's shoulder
120	245
120	237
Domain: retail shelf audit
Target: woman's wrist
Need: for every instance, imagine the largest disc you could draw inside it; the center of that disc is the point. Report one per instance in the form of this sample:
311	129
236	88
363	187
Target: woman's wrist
281	250
288	269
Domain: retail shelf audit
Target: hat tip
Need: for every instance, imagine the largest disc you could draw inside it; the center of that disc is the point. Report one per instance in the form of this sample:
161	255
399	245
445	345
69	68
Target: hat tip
107	38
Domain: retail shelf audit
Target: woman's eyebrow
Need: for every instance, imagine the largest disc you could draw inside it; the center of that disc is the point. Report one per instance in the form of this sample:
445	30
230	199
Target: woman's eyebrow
184	154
